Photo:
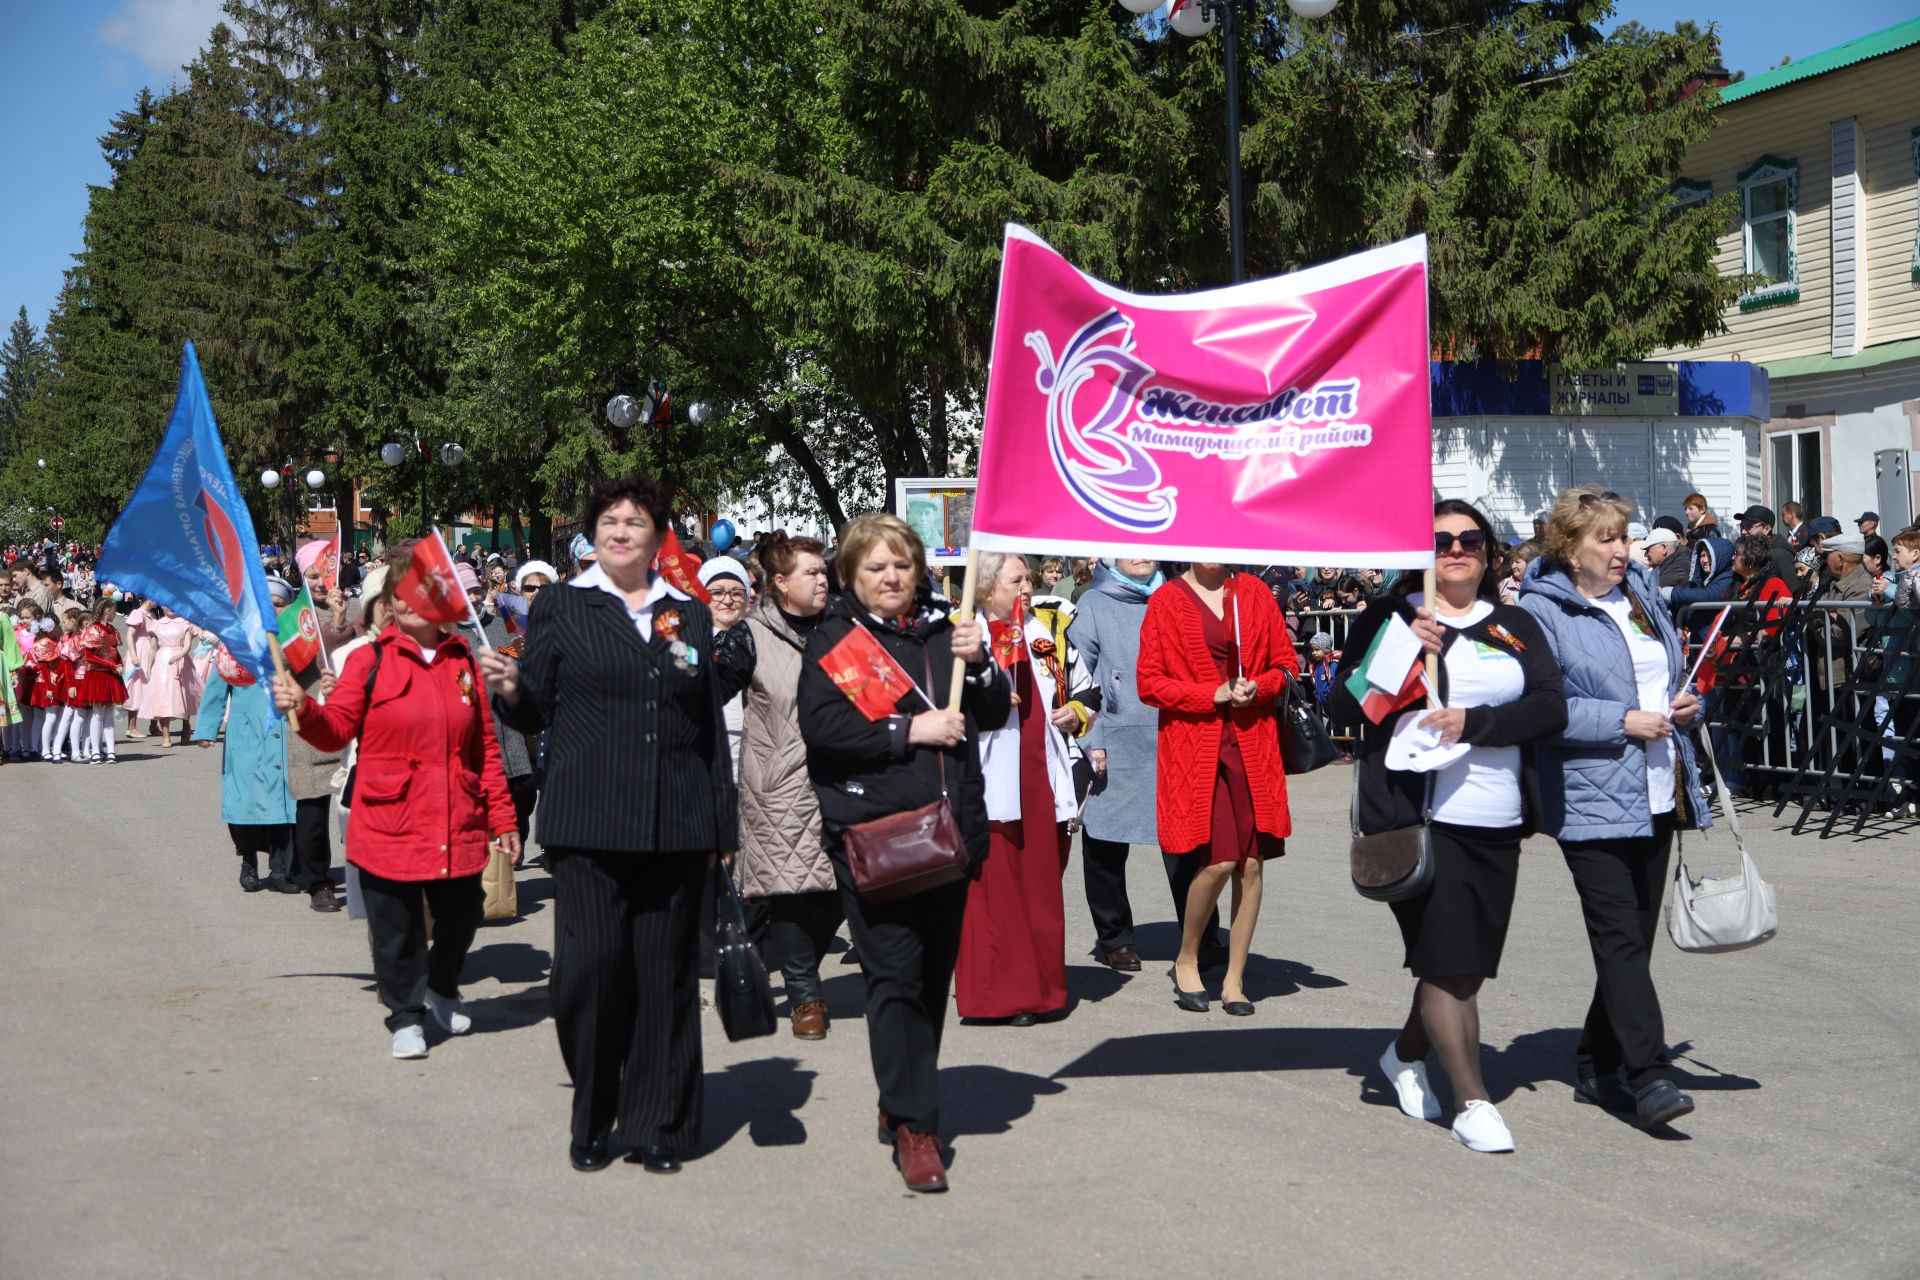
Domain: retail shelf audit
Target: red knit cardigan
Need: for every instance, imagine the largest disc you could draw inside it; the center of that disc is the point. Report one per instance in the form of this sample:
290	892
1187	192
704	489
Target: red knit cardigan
1177	674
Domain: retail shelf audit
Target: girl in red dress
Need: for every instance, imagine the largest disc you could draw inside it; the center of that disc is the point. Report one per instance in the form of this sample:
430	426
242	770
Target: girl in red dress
67	673
100	688
1213	653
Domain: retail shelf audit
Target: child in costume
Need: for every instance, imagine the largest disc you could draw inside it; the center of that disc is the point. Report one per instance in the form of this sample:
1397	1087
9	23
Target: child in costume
72	666
101	689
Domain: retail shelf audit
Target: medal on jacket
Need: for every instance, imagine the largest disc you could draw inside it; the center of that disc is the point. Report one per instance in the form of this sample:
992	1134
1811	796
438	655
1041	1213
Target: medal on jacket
464	678
1506	637
667	623
685	656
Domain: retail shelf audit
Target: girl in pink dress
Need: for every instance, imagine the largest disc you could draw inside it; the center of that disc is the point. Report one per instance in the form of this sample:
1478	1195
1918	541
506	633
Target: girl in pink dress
167	696
141	648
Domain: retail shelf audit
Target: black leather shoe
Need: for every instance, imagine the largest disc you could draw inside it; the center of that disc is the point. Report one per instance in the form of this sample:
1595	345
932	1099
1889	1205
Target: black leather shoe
590	1158
1022	1020
1604	1091
1191	1001
280	884
1122	959
1237	1008
249	876
1660	1103
325	899
654	1160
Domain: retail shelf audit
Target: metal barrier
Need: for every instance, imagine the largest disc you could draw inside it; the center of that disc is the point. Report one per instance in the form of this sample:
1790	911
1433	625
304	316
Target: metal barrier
1817	702
1337	623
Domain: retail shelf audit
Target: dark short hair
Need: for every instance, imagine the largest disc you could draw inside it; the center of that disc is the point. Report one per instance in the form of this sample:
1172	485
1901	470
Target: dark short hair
1876	546
1489	589
640	489
779	553
1754	548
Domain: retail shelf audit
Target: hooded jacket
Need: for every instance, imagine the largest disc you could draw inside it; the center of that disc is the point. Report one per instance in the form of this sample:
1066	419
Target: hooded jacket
1593	777
1708	587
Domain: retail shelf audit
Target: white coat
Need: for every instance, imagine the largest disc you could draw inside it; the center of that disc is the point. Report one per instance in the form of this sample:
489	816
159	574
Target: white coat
1000	751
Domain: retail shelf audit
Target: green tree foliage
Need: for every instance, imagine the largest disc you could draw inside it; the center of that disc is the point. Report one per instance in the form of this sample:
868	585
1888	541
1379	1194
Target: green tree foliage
23	358
477	220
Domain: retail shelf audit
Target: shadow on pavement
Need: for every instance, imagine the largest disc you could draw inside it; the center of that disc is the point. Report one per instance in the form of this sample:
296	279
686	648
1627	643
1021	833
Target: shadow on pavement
1093	983
1201	1050
763	1097
506	962
510	1012
980	1099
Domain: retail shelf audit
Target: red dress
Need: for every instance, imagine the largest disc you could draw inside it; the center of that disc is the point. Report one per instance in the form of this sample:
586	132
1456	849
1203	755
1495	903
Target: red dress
1184	656
44	661
100	684
1013	938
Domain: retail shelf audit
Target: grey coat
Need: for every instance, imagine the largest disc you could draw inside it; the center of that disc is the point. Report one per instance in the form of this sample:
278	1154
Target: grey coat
781	851
1106	631
1593	778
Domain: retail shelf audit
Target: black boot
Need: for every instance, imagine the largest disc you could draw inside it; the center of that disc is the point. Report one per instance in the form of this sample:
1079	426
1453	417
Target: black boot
249	873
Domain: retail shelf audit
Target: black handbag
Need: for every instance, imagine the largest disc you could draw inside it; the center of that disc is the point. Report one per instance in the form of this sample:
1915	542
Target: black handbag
1392	866
1304	742
741	990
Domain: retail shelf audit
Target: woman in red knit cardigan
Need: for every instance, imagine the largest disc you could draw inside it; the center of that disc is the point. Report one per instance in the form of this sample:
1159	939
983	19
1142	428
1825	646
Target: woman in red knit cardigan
1212	652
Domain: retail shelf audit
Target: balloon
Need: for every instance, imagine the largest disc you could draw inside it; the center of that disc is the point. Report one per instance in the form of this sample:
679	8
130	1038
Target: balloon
723	534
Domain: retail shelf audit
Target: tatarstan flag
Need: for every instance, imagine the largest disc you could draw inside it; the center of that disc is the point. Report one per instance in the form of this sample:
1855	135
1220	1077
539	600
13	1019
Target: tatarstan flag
1381	693
300	632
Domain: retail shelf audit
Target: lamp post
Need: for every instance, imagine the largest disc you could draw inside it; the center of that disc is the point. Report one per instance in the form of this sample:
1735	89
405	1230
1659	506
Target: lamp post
1195	18
393	454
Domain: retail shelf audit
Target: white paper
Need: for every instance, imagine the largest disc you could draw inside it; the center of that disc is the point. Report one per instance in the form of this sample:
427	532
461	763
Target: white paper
1416	749
1399	650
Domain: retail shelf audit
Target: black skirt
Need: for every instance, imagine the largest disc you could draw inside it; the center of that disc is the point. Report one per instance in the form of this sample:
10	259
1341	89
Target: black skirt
1458	927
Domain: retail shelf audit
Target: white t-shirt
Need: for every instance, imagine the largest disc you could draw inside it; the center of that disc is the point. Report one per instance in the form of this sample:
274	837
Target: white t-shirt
1482	788
1651	675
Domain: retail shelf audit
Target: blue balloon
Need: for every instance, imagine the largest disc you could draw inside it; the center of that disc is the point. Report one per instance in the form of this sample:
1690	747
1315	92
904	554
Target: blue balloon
723	534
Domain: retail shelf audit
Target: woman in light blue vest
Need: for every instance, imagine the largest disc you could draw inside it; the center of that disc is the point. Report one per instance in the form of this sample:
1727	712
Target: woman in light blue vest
1615	784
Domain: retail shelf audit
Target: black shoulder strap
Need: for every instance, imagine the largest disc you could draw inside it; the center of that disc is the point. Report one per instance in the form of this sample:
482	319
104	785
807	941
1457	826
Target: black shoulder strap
373	673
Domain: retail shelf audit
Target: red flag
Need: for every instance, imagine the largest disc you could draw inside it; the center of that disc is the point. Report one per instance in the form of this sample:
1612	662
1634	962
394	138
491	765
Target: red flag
330	564
680	568
867	674
431	588
1377	706
1008	640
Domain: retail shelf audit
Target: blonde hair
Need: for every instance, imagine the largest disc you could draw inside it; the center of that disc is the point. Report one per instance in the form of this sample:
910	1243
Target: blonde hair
1576	513
863	533
988	575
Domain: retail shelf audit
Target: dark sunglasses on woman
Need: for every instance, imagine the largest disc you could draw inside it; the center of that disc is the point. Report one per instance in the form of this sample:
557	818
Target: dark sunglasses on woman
1473	542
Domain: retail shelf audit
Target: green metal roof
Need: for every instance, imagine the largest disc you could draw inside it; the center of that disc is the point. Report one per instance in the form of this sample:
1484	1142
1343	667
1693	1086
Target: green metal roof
1899	36
1884	353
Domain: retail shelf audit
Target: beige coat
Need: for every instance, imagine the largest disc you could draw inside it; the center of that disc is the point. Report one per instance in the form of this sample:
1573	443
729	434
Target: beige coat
780	849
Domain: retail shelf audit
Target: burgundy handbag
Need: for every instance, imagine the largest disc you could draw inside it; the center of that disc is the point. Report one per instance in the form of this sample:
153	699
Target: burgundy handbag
906	853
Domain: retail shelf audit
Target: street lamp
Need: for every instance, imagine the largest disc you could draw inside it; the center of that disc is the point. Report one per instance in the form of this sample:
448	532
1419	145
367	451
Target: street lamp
1195	18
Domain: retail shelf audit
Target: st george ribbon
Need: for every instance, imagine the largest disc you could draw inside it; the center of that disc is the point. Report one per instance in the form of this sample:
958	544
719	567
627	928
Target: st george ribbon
1281	421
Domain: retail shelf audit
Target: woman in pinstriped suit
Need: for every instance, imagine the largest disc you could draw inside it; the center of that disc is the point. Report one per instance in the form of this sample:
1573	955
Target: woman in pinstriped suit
624	672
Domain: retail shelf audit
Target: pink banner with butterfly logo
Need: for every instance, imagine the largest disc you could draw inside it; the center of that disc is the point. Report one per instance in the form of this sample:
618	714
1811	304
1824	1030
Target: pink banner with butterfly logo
1281	421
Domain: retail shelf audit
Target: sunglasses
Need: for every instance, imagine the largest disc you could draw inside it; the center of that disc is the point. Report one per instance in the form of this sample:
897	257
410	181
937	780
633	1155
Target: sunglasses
532	588
1473	542
1591	500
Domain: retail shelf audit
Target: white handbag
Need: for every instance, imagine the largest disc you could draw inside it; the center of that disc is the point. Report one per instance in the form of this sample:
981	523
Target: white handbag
1721	915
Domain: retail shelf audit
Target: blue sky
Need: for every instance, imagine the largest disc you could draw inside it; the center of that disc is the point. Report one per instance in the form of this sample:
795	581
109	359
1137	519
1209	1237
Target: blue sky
66	66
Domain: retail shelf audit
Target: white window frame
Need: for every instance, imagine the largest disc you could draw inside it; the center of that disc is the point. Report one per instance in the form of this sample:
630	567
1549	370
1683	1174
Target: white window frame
1766	171
1687	192
1795	487
320	499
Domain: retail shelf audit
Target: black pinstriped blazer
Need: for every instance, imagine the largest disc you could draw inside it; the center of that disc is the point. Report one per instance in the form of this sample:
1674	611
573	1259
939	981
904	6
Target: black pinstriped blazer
637	758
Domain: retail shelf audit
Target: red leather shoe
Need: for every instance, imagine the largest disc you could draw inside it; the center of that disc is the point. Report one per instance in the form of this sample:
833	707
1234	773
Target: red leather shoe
918	1155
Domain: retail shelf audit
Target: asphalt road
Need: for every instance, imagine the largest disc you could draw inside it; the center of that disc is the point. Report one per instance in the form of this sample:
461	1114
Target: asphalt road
196	1083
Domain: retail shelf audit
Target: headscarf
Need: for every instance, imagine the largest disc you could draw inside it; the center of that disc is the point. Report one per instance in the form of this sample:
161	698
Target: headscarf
724	566
309	552
581	549
1146	588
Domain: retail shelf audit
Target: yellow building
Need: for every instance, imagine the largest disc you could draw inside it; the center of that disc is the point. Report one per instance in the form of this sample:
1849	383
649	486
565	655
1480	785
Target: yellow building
1824	154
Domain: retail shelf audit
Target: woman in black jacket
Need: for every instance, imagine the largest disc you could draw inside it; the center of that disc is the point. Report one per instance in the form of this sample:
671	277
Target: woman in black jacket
625	673
1499	690
901	757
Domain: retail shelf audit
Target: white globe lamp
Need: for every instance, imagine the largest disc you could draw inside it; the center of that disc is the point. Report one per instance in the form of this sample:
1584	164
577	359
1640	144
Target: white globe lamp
316	478
270	478
391	454
1313	8
1190	18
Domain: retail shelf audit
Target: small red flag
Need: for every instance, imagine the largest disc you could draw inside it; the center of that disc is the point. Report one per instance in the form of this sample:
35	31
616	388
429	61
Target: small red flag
867	674
680	568
431	588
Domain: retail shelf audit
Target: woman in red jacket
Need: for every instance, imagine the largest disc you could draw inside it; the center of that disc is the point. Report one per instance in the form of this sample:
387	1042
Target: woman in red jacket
1212	653
428	790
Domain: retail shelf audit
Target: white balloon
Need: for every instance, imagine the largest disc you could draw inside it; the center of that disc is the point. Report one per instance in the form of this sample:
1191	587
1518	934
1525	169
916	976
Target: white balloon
1190	19
1313	8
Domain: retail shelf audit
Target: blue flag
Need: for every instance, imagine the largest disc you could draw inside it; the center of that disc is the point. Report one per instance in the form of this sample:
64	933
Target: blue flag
185	539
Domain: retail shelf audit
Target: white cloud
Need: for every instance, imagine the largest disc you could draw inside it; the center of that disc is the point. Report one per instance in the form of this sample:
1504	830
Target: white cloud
162	35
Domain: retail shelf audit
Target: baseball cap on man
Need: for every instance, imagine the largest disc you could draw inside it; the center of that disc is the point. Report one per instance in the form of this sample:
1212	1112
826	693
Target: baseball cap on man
1868	515
1660	537
1757	515
1822	525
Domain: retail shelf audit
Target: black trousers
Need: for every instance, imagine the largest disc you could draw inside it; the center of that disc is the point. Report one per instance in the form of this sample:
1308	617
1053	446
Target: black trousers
626	1001
1620	883
1103	864
524	791
800	926
404	967
907	952
275	839
313	840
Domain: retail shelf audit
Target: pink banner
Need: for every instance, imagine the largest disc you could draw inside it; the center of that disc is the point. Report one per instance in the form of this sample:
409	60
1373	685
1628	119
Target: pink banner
1282	421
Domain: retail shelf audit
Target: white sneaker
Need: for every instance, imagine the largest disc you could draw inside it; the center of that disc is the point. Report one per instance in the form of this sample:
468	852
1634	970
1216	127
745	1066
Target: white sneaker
410	1042
1409	1081
450	1014
1479	1127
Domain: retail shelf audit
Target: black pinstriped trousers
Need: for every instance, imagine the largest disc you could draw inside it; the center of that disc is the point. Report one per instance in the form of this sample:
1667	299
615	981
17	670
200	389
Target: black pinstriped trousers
626	1000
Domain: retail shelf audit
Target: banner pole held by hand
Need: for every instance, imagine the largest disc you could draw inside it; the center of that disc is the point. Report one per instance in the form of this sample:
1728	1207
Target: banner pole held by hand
958	686
1427	587
280	668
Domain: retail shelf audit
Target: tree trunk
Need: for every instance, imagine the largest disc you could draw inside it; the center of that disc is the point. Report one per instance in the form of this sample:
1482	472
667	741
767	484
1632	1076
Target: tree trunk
938	439
540	536
779	428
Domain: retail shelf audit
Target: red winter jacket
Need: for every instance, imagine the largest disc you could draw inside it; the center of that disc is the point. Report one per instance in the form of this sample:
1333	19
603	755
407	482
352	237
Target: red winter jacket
429	789
1177	674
